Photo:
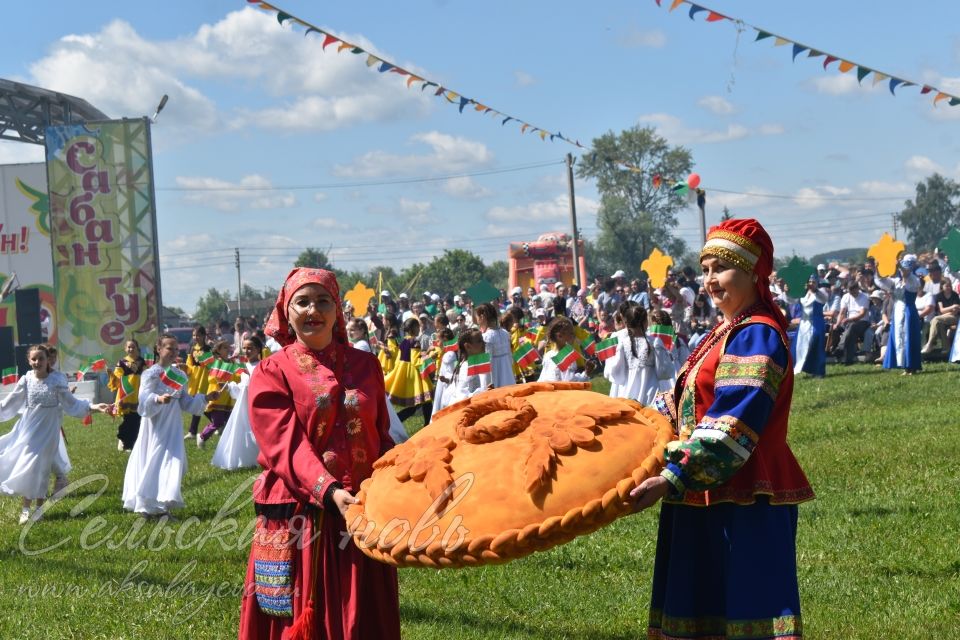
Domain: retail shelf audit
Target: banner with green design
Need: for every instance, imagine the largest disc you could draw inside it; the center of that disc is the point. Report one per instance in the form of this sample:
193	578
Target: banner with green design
25	242
103	231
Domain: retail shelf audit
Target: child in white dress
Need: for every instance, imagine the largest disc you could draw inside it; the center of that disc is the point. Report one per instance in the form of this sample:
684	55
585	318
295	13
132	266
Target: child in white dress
238	447
28	456
632	369
448	366
463	385
560	333
497	343
359	335
151	484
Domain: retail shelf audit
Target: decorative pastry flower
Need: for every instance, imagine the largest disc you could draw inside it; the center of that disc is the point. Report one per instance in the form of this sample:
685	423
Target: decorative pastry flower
559	433
425	459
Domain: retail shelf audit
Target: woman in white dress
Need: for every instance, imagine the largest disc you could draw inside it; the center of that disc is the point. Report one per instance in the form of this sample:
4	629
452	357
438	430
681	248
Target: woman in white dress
28	456
903	345
463	385
359	334
632	369
560	333
497	343
151	484
812	331
238	448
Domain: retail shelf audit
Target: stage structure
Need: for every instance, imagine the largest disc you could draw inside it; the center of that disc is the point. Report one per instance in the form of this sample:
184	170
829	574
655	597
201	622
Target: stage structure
548	260
97	217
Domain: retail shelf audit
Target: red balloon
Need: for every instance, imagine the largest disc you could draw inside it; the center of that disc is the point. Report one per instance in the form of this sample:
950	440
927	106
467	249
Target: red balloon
693	181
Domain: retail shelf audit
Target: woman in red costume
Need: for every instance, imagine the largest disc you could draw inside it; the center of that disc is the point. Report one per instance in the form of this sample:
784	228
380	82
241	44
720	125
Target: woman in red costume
318	411
726	549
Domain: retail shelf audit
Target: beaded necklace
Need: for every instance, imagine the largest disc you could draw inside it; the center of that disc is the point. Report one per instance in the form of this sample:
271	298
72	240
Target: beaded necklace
716	335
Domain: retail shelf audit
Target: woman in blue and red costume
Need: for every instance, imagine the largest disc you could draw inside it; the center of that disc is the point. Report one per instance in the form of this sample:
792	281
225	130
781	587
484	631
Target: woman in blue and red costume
726	549
318	411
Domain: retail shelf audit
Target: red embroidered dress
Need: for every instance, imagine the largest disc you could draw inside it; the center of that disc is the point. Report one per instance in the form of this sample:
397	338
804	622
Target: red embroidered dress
319	418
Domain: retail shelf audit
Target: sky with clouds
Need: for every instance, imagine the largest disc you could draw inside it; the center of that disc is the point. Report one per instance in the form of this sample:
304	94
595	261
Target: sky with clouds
270	144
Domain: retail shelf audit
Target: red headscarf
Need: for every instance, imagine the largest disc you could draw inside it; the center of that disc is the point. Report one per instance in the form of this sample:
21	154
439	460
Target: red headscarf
746	244
278	326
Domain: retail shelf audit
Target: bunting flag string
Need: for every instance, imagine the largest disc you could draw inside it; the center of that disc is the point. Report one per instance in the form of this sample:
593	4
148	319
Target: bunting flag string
844	66
385	66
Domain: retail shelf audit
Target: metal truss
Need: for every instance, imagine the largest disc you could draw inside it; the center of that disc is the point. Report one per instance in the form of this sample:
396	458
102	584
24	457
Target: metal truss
26	111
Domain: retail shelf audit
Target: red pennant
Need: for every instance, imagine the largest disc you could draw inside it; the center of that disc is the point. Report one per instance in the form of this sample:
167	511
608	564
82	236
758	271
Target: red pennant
329	40
716	17
829	60
926	89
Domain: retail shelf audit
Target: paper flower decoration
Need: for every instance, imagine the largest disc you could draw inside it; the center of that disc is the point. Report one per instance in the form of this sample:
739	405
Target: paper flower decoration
656	267
795	275
950	246
359	296
885	252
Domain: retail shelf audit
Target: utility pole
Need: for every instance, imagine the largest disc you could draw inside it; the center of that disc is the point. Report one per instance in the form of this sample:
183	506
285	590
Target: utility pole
895	225
236	253
573	218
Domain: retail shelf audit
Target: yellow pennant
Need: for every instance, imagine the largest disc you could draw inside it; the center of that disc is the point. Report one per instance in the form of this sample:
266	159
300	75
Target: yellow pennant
452	97
372	60
779	42
543	134
879	77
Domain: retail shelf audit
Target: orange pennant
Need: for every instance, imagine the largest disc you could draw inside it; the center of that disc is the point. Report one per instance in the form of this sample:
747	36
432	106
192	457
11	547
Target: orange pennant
525	126
846	66
413	79
344	45
940	96
676	3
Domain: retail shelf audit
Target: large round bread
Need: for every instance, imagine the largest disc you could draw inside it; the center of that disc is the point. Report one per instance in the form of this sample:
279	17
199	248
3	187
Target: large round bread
506	473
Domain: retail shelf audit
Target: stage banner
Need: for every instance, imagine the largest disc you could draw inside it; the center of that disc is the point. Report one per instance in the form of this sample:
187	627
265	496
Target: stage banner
25	242
103	234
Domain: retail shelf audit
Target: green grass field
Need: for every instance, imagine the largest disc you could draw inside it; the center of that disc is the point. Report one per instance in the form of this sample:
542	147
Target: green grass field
879	550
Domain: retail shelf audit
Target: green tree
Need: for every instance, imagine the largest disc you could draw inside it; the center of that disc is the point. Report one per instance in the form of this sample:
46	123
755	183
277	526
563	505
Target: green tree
635	217
932	212
497	273
726	214
314	258
455	270
212	307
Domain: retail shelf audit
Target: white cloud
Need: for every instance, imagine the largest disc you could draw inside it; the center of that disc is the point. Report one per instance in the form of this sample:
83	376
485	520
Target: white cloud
187	242
716	104
672	128
329	224
21	153
523	79
841	84
416	211
879	188
251	192
635	38
320	196
465	187
922	166
816	197
543	211
449	154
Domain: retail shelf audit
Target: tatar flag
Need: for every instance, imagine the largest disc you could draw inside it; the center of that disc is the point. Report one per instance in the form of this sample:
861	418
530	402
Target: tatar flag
125	388
224	371
564	358
589	346
478	364
665	332
531	335
606	348
173	378
98	363
450	346
525	355
205	359
427	366
148	362
9	375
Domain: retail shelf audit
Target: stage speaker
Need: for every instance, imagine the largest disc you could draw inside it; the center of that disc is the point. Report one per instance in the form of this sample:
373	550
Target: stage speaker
22	365
28	316
8	357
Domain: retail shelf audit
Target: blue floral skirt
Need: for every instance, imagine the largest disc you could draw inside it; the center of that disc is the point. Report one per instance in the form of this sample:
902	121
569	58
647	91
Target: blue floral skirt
726	571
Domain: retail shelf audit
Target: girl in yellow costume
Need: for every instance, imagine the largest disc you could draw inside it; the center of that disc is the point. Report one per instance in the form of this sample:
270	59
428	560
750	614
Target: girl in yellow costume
197	374
124	380
404	385
219	408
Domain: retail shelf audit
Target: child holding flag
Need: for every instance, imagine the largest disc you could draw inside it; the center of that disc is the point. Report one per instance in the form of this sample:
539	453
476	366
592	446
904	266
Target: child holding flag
404	384
198	359
473	369
124	380
632	367
560	363
238	447
448	365
219	373
61	461
151	484
497	343
662	337
27	458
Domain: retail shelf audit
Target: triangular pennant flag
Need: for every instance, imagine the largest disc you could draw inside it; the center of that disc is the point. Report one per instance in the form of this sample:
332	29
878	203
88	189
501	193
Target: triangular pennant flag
676	3
413	79
829	59
329	39
926	89
862	72
762	34
372	60
797	50
894	83
399	71
543	134
695	9
281	16
506	120
954	101
463	102
357	50
524	128
813	53
311	29
846	66
427	84
385	66
716	17
343	45
452	97
779	42
940	96
879	77
440	90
